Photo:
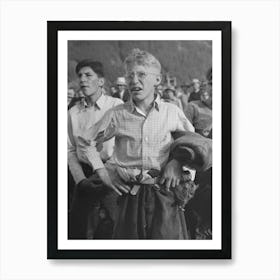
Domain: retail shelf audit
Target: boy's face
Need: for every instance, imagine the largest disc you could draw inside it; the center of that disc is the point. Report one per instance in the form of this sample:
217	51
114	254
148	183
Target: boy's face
141	81
121	87
169	94
70	95
206	98
89	81
113	90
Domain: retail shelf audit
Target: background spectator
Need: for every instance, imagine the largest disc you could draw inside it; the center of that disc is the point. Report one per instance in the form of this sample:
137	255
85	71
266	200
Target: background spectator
195	93
122	91
199	113
169	95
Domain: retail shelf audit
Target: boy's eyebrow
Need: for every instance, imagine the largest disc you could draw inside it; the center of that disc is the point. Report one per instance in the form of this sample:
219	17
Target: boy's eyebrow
86	72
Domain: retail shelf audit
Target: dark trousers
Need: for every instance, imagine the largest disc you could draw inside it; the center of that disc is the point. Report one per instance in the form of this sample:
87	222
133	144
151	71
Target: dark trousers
150	214
79	215
84	207
199	209
79	209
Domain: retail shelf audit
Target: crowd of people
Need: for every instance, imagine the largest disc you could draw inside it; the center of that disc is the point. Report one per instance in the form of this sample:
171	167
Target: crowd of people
136	167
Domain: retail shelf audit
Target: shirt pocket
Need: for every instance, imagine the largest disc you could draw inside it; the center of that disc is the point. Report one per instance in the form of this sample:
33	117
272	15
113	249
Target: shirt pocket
161	142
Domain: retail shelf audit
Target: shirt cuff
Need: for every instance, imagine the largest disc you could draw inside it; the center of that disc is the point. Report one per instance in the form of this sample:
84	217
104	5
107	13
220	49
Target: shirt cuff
76	171
94	159
78	177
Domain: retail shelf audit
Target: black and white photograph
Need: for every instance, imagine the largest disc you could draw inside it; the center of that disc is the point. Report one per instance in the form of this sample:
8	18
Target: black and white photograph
149	160
144	115
139	140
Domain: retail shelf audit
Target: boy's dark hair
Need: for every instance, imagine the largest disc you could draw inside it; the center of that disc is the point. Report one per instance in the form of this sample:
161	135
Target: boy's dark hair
96	66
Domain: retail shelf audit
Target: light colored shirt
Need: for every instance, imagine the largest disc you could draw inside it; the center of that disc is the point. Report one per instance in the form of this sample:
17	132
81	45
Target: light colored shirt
141	141
80	119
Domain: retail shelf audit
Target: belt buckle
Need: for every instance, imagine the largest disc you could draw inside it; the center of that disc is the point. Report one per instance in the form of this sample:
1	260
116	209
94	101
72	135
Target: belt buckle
136	187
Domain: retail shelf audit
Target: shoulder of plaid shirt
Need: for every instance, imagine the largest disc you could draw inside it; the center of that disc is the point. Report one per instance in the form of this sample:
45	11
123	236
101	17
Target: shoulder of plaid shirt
141	141
80	119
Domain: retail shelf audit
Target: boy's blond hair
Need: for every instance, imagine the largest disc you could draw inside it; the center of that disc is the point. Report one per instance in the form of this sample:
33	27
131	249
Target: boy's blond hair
139	57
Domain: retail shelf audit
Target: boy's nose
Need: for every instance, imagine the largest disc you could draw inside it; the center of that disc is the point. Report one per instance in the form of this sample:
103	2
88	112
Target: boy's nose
135	78
82	78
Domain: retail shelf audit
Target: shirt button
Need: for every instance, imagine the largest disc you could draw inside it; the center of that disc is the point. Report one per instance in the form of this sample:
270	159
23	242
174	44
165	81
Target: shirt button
146	139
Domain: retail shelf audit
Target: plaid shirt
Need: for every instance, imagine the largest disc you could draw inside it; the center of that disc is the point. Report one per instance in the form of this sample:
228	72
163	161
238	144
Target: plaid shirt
141	141
80	119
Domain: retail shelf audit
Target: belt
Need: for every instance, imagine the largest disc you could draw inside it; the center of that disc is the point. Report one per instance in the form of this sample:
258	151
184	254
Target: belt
182	193
140	181
150	181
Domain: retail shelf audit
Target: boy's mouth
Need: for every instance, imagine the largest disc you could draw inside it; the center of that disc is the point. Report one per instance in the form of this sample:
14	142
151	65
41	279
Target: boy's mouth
135	89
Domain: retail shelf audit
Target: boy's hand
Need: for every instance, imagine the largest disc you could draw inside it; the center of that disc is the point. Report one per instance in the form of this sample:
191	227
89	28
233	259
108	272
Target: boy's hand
172	174
86	187
117	186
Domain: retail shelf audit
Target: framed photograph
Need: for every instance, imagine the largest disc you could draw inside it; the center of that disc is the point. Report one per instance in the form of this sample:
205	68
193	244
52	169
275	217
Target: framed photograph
139	164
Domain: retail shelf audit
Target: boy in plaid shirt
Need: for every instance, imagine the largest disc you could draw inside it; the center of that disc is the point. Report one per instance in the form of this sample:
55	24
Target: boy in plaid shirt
139	171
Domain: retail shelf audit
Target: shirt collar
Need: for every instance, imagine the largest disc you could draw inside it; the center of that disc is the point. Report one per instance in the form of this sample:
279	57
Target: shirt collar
98	104
155	103
100	101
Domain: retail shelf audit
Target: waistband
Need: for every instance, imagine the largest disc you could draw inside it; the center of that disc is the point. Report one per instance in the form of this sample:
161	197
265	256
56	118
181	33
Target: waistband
136	175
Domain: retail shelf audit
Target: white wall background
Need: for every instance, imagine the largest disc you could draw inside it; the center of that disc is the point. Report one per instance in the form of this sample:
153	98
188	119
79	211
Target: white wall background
255	139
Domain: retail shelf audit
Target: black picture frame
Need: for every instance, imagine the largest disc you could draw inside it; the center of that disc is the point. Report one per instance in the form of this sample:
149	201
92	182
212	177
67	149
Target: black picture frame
52	193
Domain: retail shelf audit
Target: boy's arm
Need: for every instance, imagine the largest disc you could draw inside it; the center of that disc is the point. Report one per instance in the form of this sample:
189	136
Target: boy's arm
73	161
173	170
92	140
102	131
183	124
108	146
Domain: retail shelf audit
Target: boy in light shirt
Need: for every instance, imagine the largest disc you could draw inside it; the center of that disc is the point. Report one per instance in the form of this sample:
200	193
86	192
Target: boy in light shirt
140	170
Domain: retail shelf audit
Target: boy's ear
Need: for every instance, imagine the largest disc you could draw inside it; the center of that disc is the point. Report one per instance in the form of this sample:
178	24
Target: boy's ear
158	79
101	82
